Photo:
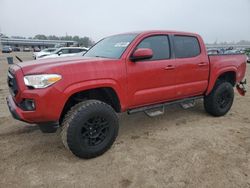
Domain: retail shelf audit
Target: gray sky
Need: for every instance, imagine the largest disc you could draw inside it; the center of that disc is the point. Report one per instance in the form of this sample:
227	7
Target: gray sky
221	20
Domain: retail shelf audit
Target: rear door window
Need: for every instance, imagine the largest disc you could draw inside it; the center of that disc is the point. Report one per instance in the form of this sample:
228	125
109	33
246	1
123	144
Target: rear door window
186	46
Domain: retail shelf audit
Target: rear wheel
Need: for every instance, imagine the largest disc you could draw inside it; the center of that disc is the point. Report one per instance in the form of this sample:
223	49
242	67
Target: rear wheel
220	100
90	128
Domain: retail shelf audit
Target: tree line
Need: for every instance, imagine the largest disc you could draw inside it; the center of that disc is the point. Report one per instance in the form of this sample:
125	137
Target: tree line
82	41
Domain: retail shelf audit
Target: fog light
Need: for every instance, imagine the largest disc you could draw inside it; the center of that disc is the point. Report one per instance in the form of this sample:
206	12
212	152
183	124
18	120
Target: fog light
28	105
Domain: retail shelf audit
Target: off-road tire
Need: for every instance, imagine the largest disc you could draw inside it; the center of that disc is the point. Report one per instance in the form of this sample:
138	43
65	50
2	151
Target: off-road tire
48	128
220	100
76	136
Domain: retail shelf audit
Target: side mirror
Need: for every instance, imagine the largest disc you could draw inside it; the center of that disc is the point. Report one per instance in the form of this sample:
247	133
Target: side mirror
141	54
60	53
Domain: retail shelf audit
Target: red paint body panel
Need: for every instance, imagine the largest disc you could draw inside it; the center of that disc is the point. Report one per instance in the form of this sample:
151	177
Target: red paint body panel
193	73
220	64
135	83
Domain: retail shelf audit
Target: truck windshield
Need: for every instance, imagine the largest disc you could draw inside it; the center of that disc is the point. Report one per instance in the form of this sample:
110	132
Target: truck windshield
111	47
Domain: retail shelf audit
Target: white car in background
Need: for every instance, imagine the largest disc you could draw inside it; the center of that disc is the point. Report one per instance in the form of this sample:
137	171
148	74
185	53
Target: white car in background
43	53
81	53
67	52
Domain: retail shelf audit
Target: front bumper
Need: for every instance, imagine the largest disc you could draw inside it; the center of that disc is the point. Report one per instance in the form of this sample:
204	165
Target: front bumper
20	115
48	107
12	108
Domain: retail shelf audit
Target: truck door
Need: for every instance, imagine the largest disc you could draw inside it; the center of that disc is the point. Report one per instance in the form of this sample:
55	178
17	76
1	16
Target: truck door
152	80
192	66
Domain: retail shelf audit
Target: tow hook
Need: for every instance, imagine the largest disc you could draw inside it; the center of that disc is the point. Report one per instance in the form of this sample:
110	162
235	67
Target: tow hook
241	87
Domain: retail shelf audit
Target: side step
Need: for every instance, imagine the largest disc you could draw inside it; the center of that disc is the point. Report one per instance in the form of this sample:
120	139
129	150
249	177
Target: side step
158	109
188	104
155	112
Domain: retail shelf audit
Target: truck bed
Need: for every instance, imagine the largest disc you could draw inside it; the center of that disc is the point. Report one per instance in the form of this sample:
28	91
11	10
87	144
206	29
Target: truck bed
220	63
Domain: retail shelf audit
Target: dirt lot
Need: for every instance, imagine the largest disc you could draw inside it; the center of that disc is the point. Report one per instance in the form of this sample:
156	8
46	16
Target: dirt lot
183	148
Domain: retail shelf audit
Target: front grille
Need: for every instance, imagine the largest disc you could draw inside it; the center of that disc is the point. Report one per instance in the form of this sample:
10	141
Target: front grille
12	83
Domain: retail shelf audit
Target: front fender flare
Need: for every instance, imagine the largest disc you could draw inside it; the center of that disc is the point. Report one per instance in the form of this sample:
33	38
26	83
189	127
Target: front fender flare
94	84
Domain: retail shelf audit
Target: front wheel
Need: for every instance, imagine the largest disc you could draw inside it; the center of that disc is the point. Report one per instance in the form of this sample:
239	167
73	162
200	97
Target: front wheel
220	100
90	128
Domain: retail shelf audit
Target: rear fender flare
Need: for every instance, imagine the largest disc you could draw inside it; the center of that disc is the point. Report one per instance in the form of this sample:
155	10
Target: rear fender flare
215	75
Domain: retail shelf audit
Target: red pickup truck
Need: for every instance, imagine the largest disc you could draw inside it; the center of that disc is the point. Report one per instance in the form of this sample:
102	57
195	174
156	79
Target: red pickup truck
133	72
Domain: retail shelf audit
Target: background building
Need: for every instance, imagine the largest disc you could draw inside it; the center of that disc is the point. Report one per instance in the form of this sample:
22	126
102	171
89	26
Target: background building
32	43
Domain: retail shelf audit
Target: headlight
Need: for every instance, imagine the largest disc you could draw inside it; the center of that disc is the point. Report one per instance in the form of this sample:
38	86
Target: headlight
41	80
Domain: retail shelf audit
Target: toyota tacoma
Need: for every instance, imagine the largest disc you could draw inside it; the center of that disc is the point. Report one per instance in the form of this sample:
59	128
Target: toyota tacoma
131	72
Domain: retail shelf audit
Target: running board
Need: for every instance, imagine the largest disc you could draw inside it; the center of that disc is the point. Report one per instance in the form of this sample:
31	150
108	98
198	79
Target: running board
154	110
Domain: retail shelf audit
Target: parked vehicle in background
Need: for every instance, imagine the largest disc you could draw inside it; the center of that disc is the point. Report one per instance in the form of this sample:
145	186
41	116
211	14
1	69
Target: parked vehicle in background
16	49
66	52
248	59
26	49
81	53
233	52
132	72
6	49
43	53
229	48
36	49
247	52
213	51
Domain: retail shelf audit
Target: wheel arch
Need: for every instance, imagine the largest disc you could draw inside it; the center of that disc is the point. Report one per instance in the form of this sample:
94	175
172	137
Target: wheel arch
104	92
228	74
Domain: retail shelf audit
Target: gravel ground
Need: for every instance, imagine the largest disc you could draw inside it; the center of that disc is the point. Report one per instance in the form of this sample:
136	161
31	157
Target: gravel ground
183	148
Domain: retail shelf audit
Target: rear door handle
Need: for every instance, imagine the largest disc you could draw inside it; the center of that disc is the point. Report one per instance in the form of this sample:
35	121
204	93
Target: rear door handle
169	67
202	64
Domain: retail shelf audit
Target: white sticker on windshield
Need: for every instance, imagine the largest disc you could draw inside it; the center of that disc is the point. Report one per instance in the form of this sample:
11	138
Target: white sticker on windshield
122	44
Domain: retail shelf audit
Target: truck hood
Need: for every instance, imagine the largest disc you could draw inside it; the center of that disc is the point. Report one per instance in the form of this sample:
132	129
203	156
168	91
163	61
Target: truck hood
50	65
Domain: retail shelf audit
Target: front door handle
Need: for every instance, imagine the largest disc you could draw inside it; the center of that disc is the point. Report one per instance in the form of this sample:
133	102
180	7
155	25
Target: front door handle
169	67
202	64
